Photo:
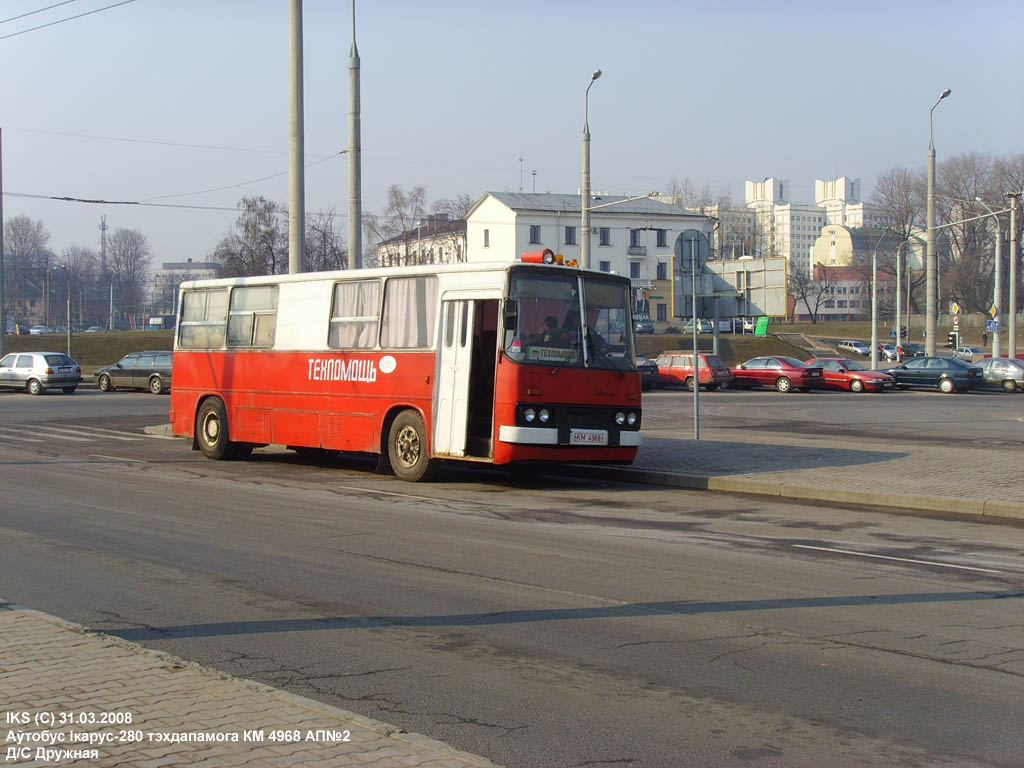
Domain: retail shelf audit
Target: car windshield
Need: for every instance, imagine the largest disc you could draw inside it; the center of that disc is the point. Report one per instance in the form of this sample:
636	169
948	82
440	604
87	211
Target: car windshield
853	365
545	306
59	360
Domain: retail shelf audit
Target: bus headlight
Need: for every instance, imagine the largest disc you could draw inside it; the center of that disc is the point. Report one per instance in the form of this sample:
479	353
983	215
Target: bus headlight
620	418
529	414
631	419
544	415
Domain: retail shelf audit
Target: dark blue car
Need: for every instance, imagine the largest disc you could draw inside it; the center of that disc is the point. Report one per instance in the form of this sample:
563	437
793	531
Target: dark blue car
945	373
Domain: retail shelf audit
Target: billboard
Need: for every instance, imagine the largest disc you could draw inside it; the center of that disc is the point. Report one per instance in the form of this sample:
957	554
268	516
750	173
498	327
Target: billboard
744	287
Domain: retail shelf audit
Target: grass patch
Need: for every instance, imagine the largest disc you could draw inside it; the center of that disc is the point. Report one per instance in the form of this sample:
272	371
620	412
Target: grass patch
92	350
733	348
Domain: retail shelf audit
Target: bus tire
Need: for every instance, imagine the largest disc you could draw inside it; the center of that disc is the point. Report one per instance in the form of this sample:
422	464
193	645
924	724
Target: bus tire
407	448
212	432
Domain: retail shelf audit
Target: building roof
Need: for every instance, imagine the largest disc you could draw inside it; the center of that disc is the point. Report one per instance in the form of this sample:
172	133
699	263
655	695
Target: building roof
431	227
549	202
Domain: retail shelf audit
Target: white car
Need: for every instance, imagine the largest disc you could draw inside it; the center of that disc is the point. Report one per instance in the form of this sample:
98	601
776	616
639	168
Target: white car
39	330
967	353
851	347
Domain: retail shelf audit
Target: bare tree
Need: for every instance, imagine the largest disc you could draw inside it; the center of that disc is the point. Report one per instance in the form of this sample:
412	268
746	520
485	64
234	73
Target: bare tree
259	244
813	293
83	265
325	247
394	231
27	260
687	194
128	251
901	192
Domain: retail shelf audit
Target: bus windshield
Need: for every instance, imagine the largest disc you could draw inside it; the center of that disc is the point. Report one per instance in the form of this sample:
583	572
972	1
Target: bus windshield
543	320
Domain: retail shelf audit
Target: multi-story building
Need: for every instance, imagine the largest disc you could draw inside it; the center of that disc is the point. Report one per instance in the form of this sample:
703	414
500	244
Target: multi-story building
436	239
628	237
164	292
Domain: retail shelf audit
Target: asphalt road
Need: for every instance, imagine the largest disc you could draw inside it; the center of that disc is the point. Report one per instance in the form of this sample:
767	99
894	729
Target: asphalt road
557	624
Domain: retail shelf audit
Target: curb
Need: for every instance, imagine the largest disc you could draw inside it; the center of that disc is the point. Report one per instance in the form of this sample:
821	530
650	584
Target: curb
384	729
759	487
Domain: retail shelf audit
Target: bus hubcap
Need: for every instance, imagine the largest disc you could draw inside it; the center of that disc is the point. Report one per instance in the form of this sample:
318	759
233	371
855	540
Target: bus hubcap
211	429
408	444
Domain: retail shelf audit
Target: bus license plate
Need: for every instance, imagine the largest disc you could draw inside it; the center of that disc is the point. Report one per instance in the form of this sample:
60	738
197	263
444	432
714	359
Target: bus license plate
588	437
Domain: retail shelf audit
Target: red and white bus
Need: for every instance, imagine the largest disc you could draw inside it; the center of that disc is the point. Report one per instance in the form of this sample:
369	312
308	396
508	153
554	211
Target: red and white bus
473	362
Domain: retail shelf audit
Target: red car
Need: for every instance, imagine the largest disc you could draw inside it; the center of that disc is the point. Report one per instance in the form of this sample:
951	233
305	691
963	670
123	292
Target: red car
676	367
783	373
843	373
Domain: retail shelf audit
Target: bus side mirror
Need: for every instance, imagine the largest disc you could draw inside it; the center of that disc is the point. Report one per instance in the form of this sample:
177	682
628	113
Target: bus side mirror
511	314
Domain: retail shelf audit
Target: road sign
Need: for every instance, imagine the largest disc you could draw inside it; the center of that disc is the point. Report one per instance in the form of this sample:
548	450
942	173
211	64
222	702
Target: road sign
761	329
993	312
992	325
956	322
954	308
684	245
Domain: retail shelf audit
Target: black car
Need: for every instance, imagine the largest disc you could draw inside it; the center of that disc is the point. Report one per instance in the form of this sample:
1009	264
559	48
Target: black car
648	373
139	370
913	349
946	373
643	324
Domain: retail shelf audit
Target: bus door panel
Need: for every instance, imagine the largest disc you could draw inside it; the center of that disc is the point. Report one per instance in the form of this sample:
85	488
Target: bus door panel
454	365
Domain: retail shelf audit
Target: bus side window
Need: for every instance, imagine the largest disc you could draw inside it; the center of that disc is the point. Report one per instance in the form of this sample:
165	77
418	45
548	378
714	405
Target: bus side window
253	318
354	315
203	319
410	310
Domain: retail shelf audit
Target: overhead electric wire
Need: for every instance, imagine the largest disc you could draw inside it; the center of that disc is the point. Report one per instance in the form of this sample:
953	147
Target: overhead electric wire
69	18
39	10
149	141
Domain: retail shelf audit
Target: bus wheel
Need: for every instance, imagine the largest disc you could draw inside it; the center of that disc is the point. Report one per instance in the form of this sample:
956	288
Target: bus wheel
407	448
212	431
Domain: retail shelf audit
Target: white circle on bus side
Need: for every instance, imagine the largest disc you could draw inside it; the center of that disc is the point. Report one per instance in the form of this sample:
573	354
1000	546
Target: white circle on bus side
387	364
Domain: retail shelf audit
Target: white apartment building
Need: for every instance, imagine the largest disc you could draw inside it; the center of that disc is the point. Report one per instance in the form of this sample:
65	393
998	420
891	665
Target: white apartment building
635	238
791	229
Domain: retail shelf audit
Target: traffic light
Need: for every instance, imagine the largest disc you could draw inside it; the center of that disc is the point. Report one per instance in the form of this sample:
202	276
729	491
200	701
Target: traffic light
952	340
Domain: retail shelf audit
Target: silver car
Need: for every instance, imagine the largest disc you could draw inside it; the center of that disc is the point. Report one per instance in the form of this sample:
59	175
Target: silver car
1003	373
36	372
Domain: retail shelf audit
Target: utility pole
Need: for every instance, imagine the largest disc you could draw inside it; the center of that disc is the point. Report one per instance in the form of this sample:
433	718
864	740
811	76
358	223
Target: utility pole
355	158
297	186
1014	256
103	244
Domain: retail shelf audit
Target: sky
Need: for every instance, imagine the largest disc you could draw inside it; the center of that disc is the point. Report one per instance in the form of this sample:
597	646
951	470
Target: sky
157	100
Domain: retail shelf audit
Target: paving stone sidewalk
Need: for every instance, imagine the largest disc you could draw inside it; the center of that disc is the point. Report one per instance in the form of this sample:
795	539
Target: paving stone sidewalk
147	709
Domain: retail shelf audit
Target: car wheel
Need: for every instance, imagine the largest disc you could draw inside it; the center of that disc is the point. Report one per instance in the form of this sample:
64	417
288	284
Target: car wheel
104	383
783	384
212	432
34	387
68	390
946	385
407	448
1010	385
156	385
856	385
689	383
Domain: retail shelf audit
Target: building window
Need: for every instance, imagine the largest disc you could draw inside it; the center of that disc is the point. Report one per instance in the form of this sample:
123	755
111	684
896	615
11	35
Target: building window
662	312
570	235
634	238
662	238
604	236
662	270
634	269
605	266
487	238
535	234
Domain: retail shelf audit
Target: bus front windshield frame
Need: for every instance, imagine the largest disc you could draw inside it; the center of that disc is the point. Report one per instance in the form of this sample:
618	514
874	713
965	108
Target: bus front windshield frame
542	320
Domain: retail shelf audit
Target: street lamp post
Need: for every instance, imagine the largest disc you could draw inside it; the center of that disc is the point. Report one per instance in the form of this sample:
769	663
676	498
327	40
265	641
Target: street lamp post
585	192
997	301
874	303
1011	349
67	286
930	267
110	321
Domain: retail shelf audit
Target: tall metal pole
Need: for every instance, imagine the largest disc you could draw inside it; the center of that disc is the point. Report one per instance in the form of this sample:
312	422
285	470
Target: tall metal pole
67	285
899	336
297	195
931	272
355	158
1014	256
585	191
874	302
696	357
110	321
3	319
997	298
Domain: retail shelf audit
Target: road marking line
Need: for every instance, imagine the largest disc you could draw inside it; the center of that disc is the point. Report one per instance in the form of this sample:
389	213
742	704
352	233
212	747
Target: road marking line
21	438
898	559
89	428
61	431
59	435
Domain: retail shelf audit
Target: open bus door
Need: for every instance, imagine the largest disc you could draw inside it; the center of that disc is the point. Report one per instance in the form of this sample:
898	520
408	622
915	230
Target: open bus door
463	416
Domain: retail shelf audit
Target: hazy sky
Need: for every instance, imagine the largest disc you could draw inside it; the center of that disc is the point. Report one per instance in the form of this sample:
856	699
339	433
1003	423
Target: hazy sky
155	99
